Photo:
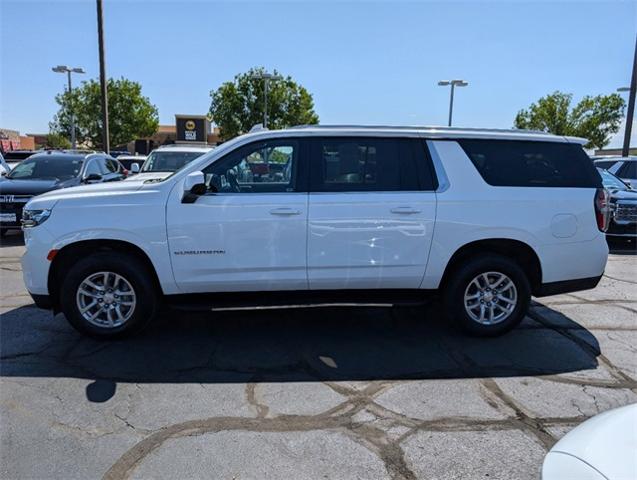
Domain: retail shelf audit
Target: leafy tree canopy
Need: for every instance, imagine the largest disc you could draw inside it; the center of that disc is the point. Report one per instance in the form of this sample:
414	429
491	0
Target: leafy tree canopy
131	115
238	105
55	140
594	118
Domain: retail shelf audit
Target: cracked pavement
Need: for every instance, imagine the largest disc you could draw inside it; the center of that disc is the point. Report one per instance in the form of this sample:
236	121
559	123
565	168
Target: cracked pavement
309	393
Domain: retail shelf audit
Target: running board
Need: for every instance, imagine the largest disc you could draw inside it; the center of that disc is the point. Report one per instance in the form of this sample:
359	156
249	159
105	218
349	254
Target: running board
298	299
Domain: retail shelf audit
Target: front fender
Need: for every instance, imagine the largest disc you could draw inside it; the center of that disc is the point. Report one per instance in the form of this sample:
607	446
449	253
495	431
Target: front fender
155	248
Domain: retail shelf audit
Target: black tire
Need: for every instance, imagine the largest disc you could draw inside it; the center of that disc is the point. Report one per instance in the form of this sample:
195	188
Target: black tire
133	270
461	277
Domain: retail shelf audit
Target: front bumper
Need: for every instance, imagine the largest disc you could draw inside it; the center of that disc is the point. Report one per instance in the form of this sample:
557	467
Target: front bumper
11	208
35	266
42	301
621	229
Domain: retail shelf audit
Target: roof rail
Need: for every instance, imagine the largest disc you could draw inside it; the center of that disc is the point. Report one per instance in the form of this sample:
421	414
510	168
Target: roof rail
423	127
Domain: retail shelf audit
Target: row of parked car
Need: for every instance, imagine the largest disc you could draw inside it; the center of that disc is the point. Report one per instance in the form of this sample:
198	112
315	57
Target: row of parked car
26	174
619	176
53	169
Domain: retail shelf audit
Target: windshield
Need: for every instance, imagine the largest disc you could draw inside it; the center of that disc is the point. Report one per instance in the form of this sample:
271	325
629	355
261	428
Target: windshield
47	167
610	181
167	161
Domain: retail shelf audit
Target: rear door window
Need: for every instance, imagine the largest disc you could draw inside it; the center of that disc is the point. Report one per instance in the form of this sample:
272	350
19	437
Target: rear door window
514	163
370	164
629	170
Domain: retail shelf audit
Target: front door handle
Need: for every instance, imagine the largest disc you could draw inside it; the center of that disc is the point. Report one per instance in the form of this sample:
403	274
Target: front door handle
284	211
405	210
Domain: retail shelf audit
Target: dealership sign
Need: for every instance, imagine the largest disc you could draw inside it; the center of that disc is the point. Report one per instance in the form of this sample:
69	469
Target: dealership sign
192	128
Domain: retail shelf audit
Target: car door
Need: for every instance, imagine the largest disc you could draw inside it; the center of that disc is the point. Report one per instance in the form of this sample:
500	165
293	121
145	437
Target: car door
371	213
248	233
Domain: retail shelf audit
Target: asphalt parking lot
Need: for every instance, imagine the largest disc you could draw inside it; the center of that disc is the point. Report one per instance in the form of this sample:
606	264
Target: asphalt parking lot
309	393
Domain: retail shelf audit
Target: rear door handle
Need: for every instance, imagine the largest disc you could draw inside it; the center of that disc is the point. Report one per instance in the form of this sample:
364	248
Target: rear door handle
284	211
405	210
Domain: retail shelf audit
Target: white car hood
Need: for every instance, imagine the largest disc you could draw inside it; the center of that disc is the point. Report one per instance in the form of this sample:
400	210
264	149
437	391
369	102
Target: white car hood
47	200
606	442
148	176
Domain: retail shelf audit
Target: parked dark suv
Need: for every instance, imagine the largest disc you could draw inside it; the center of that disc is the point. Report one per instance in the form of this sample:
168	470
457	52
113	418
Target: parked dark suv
48	171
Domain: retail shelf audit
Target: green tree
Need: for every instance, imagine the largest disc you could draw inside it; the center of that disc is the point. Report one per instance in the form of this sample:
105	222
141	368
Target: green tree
131	115
238	105
56	140
594	118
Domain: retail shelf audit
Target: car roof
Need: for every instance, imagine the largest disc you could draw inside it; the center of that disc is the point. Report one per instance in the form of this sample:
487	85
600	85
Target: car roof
69	154
176	147
614	158
131	157
432	132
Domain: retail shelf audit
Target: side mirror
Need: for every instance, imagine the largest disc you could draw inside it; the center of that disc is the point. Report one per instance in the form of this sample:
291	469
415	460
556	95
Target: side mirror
134	168
93	178
194	186
4	174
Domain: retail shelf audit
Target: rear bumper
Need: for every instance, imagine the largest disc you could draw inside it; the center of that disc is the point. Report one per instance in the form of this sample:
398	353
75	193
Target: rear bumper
566	286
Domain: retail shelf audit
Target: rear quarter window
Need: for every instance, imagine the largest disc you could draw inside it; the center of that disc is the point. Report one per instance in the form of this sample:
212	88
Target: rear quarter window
513	163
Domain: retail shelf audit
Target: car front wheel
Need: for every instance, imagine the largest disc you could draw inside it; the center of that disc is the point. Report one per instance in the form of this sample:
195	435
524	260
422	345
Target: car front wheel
488	296
109	295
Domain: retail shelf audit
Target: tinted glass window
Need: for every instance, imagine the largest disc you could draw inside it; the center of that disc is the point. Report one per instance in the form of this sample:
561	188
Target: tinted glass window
111	166
47	166
629	170
370	164
257	168
93	167
167	161
532	164
610	181
605	163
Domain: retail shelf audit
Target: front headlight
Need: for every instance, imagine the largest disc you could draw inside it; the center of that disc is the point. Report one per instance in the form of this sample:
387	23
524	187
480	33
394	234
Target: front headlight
33	218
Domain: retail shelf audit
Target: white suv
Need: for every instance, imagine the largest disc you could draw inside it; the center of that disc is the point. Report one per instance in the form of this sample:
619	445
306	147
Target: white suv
167	159
328	215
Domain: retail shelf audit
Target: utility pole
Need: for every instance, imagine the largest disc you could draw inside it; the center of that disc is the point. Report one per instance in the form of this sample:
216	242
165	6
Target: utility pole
454	84
103	85
68	71
631	107
266	77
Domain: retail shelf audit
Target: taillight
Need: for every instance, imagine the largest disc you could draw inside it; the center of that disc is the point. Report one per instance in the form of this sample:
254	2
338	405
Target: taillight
602	209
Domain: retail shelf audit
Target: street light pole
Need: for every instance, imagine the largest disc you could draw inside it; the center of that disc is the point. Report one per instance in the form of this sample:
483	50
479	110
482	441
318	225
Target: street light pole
100	36
68	71
631	107
454	84
266	77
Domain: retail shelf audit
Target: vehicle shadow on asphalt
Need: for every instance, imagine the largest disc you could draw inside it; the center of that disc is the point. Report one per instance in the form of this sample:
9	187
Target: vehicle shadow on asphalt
285	345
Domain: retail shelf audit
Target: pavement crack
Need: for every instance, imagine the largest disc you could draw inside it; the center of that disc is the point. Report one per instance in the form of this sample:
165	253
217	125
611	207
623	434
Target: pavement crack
251	396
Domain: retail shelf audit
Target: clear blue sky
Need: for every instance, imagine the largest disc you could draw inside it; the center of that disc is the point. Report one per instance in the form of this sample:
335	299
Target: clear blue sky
364	62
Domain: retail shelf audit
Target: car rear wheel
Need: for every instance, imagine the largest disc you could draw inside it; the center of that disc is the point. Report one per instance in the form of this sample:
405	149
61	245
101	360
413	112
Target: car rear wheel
487	296
109	295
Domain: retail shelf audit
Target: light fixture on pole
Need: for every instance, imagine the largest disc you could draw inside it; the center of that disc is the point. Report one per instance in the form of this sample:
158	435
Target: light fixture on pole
266	77
454	84
68	71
